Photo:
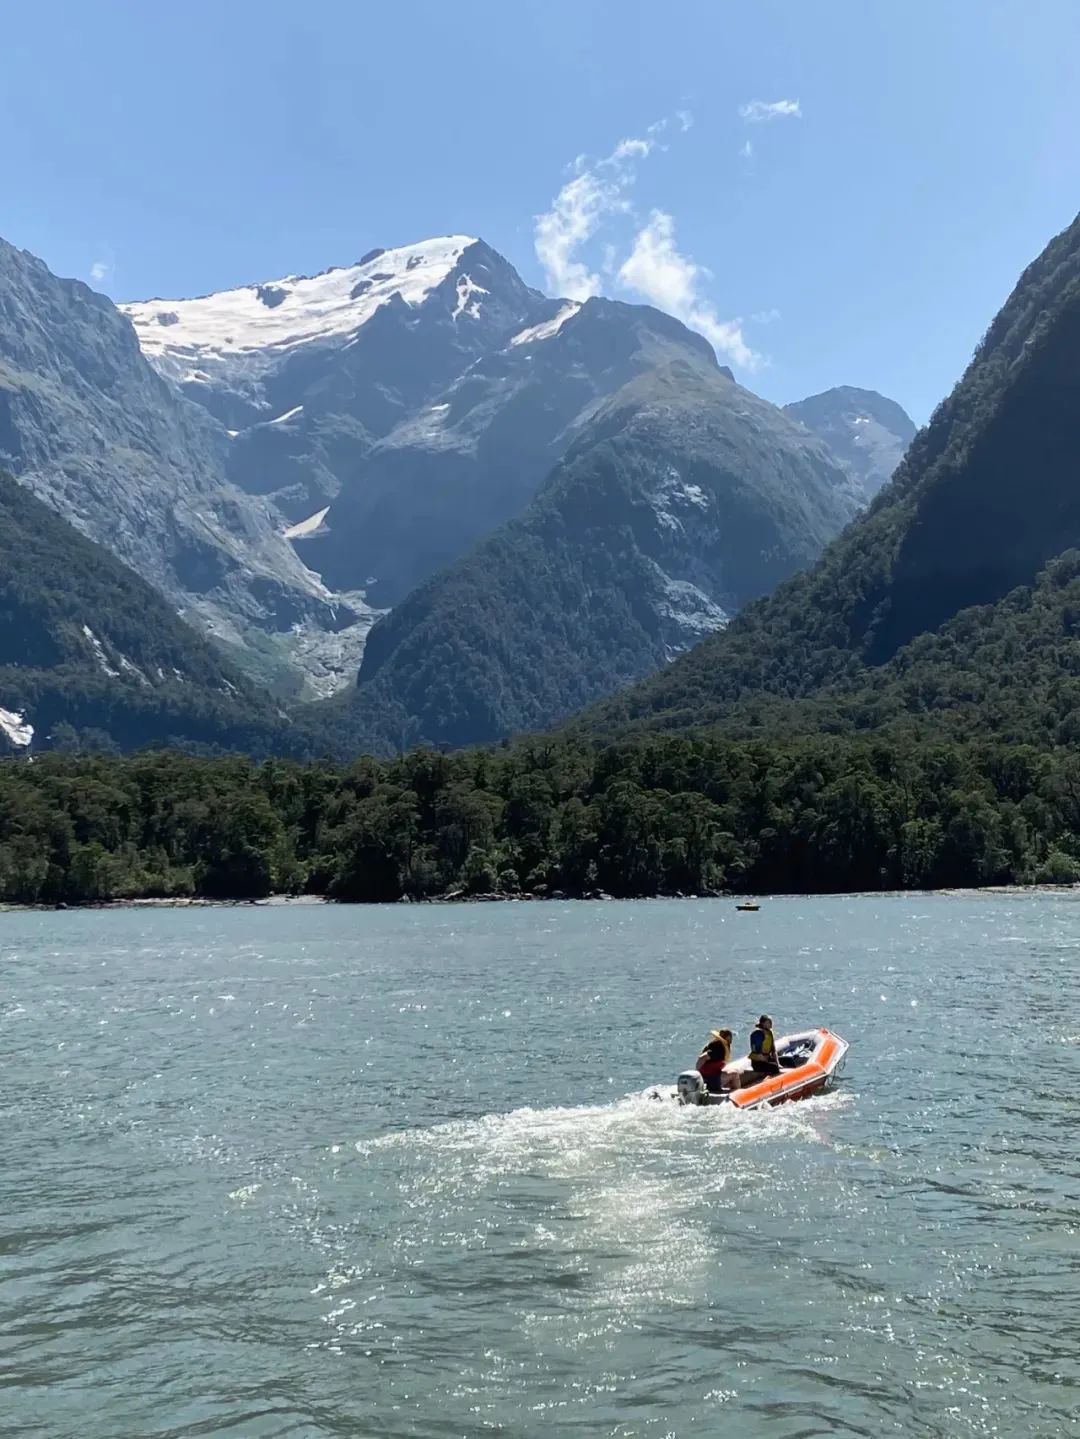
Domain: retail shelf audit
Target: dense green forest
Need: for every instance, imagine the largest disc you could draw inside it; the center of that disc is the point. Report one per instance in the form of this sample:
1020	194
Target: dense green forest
658	816
1008	672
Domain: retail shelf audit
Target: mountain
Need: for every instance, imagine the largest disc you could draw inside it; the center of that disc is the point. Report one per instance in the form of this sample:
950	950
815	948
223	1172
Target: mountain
398	410
315	449
985	499
89	426
87	645
862	428
309	372
475	456
682	497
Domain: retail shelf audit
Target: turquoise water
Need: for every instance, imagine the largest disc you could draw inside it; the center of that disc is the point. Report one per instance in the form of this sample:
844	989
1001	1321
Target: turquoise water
347	1171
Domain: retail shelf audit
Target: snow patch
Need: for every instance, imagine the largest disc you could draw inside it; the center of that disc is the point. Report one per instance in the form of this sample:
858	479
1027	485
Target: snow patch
99	652
133	669
673	490
549	327
465	304
15	726
691	611
308	526
235	330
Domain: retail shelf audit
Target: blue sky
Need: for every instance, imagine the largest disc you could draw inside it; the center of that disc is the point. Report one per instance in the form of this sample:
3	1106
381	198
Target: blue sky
927	150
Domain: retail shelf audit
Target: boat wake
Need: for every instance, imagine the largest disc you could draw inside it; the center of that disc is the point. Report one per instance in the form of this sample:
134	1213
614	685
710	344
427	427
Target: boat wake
643	1189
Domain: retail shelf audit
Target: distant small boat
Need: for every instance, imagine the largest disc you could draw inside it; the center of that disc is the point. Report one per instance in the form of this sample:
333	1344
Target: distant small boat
750	904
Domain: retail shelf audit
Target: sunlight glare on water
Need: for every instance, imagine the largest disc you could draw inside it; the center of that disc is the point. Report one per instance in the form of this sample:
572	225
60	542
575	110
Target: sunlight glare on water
295	1171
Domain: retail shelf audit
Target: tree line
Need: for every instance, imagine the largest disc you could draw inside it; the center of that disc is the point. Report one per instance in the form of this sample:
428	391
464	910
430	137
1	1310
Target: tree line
660	815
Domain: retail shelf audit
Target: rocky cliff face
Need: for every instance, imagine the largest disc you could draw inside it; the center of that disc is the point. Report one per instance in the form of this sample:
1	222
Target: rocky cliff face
91	654
89	427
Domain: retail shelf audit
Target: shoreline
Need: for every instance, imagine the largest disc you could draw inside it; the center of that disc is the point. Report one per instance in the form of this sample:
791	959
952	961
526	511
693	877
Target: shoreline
272	901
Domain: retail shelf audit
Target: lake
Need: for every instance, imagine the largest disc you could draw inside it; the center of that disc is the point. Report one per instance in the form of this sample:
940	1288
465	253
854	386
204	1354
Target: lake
314	1171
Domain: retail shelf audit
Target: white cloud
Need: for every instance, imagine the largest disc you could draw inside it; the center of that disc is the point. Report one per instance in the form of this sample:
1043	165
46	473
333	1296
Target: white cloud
575	216
578	210
631	149
657	271
596	192
100	270
654	269
755	112
747	151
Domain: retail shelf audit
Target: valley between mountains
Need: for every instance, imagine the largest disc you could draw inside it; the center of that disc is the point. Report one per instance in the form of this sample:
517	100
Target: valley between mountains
390	514
414	489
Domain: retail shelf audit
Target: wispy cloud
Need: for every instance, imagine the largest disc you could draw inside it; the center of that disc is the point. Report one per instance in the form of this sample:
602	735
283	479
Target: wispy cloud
101	270
575	216
595	193
756	112
747	151
656	270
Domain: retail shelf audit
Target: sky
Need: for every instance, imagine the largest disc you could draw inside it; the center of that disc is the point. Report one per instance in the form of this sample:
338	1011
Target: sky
836	192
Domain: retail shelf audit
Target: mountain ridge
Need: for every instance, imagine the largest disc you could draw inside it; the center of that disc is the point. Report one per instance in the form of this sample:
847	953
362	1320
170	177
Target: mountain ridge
356	433
995	465
683	496
864	428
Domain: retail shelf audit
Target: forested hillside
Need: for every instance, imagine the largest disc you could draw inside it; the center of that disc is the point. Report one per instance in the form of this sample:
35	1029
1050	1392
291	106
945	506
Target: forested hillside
987	495
684	497
89	649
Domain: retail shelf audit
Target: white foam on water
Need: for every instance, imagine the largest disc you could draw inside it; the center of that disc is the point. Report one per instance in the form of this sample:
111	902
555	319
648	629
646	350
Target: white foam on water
581	1134
626	1181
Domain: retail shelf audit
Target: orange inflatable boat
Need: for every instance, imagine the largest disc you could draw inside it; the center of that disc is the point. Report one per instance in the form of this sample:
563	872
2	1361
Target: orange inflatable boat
808	1061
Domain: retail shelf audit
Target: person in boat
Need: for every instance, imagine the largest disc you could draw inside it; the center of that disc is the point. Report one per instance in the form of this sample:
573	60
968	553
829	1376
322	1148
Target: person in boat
712	1059
763	1059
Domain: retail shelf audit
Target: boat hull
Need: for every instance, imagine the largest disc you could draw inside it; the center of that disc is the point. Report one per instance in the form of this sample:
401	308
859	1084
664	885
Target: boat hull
800	1082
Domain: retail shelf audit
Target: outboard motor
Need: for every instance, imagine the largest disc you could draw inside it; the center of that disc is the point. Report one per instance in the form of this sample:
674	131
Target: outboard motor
691	1088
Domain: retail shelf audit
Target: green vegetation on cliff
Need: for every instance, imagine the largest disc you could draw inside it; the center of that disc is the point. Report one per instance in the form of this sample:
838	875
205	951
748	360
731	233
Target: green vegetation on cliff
985	499
684	497
92	654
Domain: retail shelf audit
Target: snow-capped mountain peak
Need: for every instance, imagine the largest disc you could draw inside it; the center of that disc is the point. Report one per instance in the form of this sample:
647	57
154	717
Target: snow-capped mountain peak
195	340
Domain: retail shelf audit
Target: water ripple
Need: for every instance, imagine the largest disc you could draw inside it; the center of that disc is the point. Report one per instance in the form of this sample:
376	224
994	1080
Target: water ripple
340	1172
